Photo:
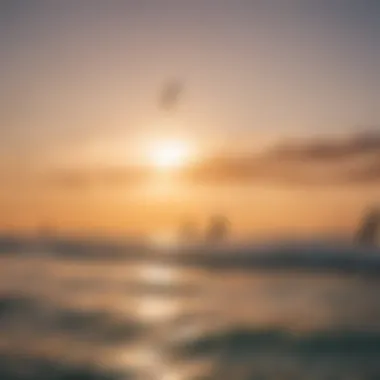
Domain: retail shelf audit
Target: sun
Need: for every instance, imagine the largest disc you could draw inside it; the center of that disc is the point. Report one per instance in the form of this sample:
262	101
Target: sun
170	153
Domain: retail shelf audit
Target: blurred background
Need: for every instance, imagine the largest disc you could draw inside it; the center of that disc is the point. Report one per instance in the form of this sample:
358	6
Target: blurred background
189	189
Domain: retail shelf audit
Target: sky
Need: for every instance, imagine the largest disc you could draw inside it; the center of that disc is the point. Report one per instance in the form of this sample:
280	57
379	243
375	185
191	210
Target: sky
81	83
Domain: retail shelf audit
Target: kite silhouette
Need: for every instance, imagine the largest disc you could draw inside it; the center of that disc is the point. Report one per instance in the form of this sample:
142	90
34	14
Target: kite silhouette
169	96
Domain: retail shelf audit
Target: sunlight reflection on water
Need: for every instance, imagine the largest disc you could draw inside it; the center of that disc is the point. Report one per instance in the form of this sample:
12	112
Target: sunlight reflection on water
158	274
170	330
158	310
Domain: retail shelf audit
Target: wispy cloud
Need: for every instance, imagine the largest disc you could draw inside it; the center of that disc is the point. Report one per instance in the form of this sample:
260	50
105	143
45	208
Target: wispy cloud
328	150
349	160
107	176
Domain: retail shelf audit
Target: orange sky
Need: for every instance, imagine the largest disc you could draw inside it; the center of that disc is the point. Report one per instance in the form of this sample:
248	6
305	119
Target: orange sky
254	210
85	95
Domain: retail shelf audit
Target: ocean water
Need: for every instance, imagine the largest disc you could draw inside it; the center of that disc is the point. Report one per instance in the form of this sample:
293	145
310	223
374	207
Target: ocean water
78	317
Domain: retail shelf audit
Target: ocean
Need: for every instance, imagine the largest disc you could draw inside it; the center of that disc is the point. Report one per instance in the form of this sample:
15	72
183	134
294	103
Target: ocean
169	315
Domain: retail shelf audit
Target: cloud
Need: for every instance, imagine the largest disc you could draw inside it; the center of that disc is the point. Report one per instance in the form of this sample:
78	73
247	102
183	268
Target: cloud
369	173
105	177
327	150
256	169
350	160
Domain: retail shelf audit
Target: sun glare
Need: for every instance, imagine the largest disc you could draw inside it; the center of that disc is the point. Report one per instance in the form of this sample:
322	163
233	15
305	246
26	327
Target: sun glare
169	154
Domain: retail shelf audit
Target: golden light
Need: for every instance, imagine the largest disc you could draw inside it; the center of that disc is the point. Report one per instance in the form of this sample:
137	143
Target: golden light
170	153
164	240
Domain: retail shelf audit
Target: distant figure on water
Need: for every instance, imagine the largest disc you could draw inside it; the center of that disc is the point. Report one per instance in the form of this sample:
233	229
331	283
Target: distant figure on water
218	229
368	230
